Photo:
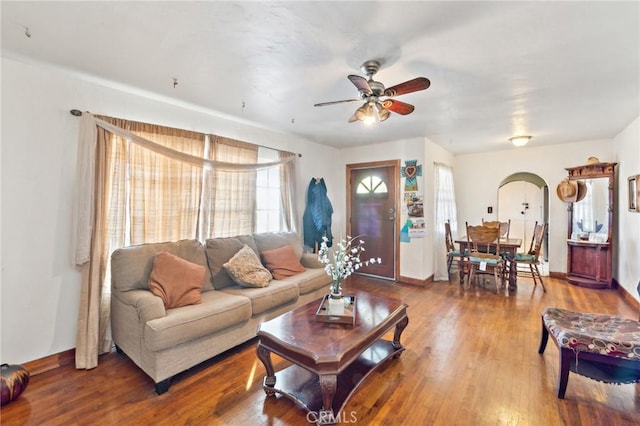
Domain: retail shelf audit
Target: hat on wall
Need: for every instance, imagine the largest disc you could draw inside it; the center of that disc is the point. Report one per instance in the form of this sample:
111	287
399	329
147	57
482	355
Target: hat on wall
571	191
567	191
582	190
593	160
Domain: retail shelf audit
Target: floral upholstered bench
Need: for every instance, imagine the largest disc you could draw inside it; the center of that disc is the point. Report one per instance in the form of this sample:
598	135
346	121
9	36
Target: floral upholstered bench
599	346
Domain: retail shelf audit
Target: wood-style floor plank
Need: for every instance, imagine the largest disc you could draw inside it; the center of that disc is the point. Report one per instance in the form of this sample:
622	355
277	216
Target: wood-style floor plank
471	358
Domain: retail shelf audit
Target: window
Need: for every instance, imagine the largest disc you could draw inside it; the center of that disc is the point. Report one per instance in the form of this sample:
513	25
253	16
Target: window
445	209
371	185
268	197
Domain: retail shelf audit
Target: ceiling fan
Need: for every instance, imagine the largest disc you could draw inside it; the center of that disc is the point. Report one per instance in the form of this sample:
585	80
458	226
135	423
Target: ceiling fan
371	91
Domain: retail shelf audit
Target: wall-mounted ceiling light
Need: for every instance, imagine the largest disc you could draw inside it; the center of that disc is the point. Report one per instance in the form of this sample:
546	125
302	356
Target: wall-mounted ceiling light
520	140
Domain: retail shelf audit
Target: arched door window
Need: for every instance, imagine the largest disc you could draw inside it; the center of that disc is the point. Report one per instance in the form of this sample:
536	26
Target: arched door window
370	185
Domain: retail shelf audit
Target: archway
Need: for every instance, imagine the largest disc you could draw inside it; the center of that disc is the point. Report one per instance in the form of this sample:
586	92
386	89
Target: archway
524	198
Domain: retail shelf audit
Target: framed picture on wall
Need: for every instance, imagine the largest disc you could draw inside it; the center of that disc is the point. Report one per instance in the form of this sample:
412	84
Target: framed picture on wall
634	193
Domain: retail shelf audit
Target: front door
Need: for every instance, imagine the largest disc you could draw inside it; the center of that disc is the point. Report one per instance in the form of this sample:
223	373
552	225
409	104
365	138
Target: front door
371	210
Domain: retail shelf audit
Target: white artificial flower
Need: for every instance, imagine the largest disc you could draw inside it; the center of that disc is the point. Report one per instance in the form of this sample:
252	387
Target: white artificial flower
343	260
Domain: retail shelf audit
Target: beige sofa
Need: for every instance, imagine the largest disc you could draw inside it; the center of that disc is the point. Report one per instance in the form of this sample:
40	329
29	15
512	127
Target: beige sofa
164	342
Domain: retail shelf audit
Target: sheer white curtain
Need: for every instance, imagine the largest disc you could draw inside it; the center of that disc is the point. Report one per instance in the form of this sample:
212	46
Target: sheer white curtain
584	210
445	209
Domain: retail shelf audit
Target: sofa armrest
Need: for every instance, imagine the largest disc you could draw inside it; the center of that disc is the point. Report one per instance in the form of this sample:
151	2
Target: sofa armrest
310	260
148	305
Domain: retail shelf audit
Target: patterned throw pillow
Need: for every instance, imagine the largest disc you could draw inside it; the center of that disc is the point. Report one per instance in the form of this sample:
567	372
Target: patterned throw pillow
282	262
177	281
245	269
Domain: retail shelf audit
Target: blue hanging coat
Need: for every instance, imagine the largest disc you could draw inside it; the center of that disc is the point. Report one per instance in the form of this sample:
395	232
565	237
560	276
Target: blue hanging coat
317	215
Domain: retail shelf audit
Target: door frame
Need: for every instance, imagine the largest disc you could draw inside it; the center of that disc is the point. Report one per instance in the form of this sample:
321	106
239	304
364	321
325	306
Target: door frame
395	181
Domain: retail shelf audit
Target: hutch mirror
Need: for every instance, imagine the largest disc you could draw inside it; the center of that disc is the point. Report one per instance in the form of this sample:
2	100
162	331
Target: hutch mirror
590	237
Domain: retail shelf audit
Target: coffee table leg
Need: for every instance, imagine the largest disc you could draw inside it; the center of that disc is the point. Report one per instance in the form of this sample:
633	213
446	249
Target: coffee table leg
328	383
270	379
400	326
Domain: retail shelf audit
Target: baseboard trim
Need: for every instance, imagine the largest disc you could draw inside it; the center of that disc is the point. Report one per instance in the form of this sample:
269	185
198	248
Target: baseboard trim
628	298
558	275
415	281
50	362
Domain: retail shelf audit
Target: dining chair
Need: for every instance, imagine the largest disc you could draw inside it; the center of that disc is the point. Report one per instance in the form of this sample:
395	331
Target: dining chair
505	227
532	257
483	257
452	252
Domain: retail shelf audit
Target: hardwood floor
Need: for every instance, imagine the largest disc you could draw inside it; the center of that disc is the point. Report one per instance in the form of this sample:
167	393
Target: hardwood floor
471	359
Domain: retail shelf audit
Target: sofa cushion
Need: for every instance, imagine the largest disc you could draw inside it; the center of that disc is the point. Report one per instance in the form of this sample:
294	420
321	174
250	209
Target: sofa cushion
131	266
262	299
219	251
176	281
281	262
310	260
217	311
272	240
245	269
311	280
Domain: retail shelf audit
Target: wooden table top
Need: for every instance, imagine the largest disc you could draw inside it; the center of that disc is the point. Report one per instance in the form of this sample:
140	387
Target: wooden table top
504	242
297	334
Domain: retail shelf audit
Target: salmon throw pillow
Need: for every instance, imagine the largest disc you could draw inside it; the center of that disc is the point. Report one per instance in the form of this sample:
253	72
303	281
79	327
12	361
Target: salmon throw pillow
282	262
177	281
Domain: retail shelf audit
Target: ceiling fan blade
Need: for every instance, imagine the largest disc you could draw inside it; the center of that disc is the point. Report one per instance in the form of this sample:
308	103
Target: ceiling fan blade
420	83
353	119
398	107
336	102
361	83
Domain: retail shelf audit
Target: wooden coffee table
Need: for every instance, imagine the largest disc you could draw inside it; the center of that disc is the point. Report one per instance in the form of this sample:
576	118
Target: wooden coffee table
329	361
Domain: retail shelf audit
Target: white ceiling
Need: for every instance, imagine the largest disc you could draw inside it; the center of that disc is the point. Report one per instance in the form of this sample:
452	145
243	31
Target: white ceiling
560	71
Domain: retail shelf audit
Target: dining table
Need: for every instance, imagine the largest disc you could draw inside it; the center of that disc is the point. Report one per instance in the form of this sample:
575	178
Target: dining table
508	247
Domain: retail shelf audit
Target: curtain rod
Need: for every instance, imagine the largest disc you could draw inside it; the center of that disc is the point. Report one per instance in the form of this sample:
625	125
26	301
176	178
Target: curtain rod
78	113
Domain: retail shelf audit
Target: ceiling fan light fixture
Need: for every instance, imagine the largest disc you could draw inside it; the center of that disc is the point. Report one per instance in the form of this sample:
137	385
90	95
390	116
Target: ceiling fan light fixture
520	140
361	113
383	113
370	115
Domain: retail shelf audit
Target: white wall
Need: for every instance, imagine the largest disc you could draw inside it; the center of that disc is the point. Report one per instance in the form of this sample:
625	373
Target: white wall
627	154
477	177
40	290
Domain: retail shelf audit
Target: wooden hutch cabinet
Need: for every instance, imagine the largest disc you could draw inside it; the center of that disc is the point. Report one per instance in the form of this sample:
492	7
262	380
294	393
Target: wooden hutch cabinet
590	241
